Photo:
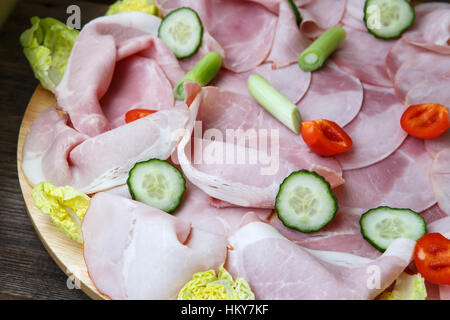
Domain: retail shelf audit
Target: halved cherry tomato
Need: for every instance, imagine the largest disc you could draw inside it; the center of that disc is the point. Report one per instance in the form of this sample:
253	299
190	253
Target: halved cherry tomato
325	137
432	258
136	114
425	121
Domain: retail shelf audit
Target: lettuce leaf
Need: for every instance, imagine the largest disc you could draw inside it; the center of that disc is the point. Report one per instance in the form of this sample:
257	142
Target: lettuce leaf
146	6
47	46
407	287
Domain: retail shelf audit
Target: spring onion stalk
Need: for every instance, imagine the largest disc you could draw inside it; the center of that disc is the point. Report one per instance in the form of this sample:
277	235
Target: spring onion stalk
298	17
313	57
203	72
274	102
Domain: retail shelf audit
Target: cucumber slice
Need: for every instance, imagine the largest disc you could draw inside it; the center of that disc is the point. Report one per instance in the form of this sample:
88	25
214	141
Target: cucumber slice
305	202
388	19
182	31
382	225
157	183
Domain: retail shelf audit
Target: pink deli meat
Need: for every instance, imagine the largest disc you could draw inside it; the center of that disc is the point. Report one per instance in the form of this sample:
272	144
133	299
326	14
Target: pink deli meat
402	180
91	72
376	131
277	268
440	176
133	251
230	156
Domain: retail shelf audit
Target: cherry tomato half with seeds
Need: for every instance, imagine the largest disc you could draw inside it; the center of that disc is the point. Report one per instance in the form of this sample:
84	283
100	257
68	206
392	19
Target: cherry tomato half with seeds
325	137
425	121
136	114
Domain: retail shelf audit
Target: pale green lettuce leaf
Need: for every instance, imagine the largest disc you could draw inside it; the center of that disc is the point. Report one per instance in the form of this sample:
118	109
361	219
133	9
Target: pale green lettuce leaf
407	287
146	6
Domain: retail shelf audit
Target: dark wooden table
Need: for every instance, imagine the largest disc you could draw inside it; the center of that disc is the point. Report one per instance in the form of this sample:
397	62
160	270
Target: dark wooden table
26	269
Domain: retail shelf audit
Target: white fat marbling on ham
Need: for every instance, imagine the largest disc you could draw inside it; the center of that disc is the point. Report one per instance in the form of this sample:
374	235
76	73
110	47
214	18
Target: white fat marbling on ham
399	181
342	234
244	29
318	16
364	56
431	28
133	251
91	69
291	81
333	95
289	42
55	151
420	67
375	132
221	173
440	177
277	268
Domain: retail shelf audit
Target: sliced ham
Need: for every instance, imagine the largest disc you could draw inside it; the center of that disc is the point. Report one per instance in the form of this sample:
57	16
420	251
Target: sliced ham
133	251
241	171
364	56
55	151
433	214
291	81
436	145
317	16
246	45
277	268
376	131
420	67
330	83
432	90
354	15
289	42
399	181
91	69
343	234
440	176
431	28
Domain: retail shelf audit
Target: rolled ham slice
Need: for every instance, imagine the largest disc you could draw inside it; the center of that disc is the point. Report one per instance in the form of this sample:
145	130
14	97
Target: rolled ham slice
364	56
402	180
242	172
330	83
440	176
376	131
91	73
54	151
133	251
277	268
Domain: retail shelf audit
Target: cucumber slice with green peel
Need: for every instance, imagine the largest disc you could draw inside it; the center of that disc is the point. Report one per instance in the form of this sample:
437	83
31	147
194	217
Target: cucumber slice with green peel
182	31
388	19
381	226
157	183
305	202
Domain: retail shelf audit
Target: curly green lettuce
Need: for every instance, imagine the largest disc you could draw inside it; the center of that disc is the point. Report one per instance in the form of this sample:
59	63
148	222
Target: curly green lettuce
66	207
47	46
407	287
146	6
207	285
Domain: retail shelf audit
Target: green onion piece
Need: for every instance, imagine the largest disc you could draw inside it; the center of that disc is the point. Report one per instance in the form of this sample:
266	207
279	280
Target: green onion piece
203	72
313	57
298	17
274	102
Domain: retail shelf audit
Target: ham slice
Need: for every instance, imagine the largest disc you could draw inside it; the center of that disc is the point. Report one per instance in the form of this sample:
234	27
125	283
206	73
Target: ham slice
317	16
246	45
432	90
418	68
277	268
291	81
234	149
364	56
330	83
133	251
91	70
436	145
343	234
354	15
433	214
440	176
55	151
381	109
399	181
431	28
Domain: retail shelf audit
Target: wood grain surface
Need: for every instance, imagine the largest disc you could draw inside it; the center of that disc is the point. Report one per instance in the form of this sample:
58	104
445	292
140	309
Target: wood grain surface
27	271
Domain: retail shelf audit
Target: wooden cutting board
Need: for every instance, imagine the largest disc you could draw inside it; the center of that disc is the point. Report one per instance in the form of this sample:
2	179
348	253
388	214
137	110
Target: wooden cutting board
67	253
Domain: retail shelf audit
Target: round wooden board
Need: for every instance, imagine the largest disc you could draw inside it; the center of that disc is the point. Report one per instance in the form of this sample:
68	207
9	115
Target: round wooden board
67	253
